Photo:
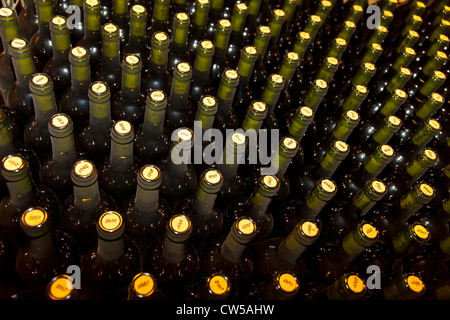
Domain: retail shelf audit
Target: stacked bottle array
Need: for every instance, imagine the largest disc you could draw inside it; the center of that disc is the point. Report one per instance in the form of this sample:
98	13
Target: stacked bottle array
216	149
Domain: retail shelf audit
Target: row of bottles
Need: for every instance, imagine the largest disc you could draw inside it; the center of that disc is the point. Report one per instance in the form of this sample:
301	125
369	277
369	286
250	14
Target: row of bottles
105	133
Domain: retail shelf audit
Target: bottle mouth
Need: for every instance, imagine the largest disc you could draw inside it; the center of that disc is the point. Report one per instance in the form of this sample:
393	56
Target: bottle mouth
218	284
110	225
143	284
149	177
35	222
122	132
60	125
84	173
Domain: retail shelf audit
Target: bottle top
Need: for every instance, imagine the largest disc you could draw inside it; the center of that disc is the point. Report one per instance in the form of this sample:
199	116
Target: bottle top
60	287
14	168
287	282
79	56
218	284
109	31
41	84
84	173
211	181
60	125
149	177
156	100
122	132
355	284
143	285
19	47
209	105
132	63
179	228
110	225
35	222
99	92
414	283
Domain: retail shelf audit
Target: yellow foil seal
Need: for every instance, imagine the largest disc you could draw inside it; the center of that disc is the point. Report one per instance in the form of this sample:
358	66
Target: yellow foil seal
355	283
61	288
110	221
34	217
415	283
218	285
143	285
287	282
180	224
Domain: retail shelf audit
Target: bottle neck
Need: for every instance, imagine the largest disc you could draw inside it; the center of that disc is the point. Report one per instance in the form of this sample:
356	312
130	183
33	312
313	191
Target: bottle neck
179	93
86	198
259	205
81	78
44	107
61	46
290	249
204	203
137	39
24	68
146	200
92	25
110	54
158	60
45	13
232	250
110	250
42	247
153	124
21	192
6	142
121	155
225	96
63	149
131	85
100	115
174	252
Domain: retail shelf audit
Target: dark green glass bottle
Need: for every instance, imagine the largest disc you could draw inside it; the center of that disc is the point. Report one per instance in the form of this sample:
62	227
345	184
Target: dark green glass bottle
19	95
179	178
36	134
198	25
23	194
55	171
28	20
84	206
146	212
94	138
117	173
8	30
201	82
238	22
179	40
119	16
92	39
152	142
160	18
226	117
75	101
109	69
157	75
180	110
137	42
58	66
127	104
221	41
41	42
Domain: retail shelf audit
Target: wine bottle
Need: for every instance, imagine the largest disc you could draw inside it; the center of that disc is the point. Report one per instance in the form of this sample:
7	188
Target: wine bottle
82	209
238	21
47	252
180	109
399	183
226	117
127	103
257	207
178	175
94	138
390	225
109	69
8	145
146	213
55	171
19	95
179	40
198	25
58	66
137	38
144	287
235	181
244	93
201	83
28	20
152	142
206	217
8	30
75	100
23	194
230	254
36	134
114	261
221	40
308	208
286	254
160	18
119	16
172	258
41	42
117	173
157	75
334	261
92	39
